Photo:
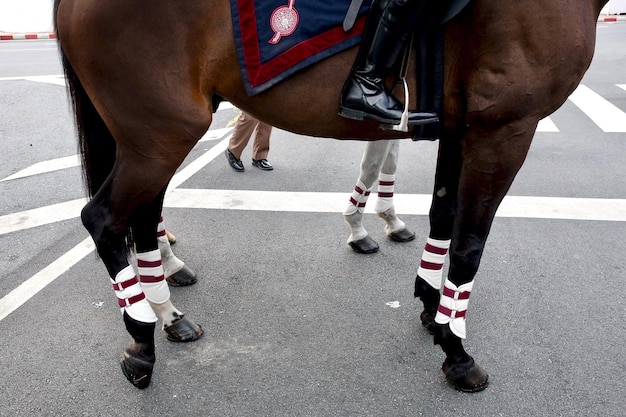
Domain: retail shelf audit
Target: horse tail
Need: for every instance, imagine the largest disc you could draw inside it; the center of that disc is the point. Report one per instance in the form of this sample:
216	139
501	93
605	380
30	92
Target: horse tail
95	142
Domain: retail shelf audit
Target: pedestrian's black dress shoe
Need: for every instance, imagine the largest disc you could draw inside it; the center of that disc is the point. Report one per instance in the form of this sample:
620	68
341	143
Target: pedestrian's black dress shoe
235	163
263	164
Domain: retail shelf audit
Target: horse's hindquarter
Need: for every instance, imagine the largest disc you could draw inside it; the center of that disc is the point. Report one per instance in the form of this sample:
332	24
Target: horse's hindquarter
512	59
147	64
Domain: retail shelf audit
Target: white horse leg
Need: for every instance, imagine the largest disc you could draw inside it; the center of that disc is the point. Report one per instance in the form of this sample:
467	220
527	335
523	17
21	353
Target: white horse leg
177	274
371	163
394	227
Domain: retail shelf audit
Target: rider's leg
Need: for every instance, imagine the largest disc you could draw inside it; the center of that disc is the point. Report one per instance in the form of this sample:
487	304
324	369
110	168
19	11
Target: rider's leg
390	24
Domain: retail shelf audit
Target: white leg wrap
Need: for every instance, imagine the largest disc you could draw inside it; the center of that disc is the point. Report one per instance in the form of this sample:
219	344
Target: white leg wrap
386	185
130	296
433	258
152	277
453	306
357	199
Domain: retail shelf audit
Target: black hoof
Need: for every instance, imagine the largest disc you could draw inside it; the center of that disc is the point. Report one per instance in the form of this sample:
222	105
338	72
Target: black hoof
137	371
404	235
466	377
428	321
182	278
183	330
366	245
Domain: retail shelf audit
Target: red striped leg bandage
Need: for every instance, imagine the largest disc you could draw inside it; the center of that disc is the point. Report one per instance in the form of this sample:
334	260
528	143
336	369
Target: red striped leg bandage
453	306
357	199
171	264
151	276
433	258
130	296
386	183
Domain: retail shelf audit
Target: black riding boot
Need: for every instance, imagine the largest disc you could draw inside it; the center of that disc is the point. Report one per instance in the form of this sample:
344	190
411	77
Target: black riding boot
389	24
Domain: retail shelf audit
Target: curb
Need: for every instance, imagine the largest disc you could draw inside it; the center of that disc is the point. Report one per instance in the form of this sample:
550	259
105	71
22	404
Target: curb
23	36
611	18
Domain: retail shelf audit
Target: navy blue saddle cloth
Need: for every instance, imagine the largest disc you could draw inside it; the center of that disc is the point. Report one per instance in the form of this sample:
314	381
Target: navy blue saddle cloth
276	38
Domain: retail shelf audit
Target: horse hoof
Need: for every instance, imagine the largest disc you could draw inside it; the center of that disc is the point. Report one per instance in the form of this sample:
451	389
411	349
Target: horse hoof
183	330
428	321
404	235
366	245
137	371
182	278
466	377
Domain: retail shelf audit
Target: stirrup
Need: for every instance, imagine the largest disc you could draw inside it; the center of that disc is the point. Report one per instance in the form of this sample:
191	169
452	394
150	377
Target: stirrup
403	126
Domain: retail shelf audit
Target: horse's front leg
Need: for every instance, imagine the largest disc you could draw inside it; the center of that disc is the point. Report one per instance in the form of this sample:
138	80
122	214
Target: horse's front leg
442	213
490	161
379	161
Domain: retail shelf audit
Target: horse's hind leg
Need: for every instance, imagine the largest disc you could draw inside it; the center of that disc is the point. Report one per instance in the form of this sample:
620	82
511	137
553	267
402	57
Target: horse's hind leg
139	317
144	225
395	228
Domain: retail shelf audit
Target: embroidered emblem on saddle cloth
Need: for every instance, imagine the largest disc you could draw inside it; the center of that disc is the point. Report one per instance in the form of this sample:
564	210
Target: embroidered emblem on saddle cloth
276	38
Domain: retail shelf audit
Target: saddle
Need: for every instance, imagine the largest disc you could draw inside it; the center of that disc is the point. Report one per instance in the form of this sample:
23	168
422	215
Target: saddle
275	40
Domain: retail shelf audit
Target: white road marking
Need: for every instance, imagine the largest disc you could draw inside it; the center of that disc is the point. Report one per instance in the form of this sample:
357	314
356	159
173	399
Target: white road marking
46	79
13	300
46	166
215	134
547	125
593	209
41	216
603	113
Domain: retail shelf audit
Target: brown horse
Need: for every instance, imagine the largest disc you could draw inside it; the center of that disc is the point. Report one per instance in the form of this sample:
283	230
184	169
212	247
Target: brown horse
143	79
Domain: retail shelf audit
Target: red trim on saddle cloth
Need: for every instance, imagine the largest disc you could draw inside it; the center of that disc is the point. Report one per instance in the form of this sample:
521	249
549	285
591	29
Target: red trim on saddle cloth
125	302
259	73
119	286
434	249
451	313
456	295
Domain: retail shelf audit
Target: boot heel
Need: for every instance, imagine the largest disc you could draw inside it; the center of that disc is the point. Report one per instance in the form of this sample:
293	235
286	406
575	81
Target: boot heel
351	114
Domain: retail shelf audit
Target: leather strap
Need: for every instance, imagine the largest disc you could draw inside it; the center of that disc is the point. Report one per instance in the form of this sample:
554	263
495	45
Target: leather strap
353	11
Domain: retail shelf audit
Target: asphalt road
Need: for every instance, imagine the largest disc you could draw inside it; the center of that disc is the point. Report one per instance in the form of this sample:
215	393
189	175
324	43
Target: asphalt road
296	323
